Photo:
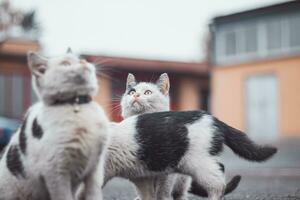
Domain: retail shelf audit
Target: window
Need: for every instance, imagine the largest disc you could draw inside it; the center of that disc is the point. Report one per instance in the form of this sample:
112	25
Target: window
230	43
264	37
17	95
250	39
274	34
14	95
294	23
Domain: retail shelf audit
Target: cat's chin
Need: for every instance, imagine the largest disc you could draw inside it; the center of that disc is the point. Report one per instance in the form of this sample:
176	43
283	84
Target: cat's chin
137	106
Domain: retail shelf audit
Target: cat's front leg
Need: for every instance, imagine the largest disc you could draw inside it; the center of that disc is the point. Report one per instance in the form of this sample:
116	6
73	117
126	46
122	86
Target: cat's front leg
93	190
164	185
59	186
145	188
93	184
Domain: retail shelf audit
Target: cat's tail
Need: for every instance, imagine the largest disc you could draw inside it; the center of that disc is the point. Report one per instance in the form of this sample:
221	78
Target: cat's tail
243	146
198	190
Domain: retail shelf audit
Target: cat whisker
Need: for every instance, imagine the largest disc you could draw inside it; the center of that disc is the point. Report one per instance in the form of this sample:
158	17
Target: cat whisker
101	61
152	77
105	76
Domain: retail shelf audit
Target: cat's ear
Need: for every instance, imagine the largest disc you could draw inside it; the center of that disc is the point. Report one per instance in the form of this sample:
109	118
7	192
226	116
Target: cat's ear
163	83
37	63
69	50
130	81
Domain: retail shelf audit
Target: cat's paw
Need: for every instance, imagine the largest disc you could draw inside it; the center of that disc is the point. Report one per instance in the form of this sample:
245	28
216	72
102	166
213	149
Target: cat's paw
137	198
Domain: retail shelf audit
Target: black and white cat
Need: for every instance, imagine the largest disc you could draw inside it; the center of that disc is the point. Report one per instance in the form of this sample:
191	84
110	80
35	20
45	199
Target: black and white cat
147	97
62	138
189	143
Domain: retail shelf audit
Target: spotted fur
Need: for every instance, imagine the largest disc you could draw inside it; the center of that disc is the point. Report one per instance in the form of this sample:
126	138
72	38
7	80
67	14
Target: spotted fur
37	130
23	138
14	162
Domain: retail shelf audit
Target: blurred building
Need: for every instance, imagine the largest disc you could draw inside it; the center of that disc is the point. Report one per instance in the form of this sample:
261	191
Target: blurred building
18	34
15	79
16	93
256	70
189	81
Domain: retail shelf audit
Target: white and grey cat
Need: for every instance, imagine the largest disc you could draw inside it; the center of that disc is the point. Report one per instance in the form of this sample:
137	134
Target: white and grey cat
62	138
147	97
189	143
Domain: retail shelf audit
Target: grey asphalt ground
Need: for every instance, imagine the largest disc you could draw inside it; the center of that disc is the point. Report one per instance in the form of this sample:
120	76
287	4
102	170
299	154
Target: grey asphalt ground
277	179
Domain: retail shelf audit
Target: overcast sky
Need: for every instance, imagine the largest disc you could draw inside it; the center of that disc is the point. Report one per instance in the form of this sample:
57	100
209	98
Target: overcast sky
154	29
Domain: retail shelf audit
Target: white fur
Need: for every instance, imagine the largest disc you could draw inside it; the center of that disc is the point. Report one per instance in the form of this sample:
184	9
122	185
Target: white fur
74	136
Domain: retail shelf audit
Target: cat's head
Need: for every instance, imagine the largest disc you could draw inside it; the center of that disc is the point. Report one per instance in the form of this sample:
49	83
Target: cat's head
61	78
145	97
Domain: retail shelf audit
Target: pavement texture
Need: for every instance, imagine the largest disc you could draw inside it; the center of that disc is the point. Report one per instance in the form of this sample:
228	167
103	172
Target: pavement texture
276	179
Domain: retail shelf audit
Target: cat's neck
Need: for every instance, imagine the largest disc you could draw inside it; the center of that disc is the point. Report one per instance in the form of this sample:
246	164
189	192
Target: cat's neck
78	99
66	99
130	114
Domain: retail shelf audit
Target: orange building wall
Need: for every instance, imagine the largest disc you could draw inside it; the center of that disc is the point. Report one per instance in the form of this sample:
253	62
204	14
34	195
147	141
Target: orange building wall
189	92
228	101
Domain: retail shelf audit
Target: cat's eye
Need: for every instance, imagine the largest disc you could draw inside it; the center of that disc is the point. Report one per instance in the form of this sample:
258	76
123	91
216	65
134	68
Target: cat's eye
42	70
131	92
147	92
65	63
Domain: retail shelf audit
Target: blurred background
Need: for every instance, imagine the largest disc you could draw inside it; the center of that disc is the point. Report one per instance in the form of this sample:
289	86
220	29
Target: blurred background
239	60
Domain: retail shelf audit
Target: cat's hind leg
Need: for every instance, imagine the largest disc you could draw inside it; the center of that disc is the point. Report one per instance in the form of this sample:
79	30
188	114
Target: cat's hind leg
209	175
164	185
181	187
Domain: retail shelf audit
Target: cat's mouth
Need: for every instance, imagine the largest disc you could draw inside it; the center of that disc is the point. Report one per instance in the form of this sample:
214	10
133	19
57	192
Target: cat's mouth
136	103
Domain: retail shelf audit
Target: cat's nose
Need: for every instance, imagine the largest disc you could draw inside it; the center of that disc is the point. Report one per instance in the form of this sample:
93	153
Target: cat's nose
136	95
83	62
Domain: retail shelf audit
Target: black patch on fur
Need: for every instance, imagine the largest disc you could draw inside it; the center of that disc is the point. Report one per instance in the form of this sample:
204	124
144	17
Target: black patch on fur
232	185
162	137
14	163
216	145
199	190
222	167
22	137
242	145
37	130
